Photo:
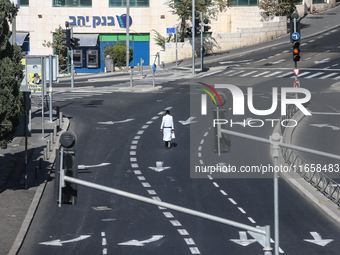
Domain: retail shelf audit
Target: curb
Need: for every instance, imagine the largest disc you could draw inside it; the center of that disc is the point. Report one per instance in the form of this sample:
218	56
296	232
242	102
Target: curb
300	184
36	199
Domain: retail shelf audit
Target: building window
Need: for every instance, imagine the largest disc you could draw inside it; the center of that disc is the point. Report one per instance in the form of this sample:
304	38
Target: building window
246	2
24	2
133	3
319	1
72	3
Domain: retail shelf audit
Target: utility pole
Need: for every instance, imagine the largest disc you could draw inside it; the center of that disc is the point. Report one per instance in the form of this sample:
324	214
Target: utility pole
193	36
127	33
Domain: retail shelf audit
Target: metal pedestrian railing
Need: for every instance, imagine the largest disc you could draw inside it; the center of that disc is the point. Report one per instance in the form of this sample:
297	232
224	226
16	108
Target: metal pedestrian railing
319	180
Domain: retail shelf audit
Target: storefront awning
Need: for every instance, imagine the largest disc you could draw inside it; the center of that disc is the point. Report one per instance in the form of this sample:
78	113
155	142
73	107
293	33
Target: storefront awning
20	38
87	40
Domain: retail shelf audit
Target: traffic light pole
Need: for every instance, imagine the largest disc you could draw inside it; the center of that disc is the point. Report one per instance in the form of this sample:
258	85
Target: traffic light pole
72	65
193	36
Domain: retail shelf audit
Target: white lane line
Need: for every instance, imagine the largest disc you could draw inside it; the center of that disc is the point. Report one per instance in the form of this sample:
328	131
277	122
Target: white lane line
137	172
201	162
303	44
183	232
210	178
241	209
329	75
102	233
236	73
232	200
189	241
133	147
208	74
320	36
175	223
194	250
260	74
151	192
136	137
157	199
202	141
141	178
216	185
285	74
336	78
145	126
300	74
104	242
133	153
133	159
272	74
168	215
155	118
251	220
286	51
149	122
231	71
199	155
140	132
205	134
200	148
146	184
161	113
223	192
134	142
105	251
246	74
311	41
134	165
168	108
260	60
313	75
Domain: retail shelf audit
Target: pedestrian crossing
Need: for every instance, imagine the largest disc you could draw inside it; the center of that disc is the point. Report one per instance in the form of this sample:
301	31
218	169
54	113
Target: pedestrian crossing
327	74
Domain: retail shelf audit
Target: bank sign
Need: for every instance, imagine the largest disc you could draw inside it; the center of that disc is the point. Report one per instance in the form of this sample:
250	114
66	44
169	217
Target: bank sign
85	21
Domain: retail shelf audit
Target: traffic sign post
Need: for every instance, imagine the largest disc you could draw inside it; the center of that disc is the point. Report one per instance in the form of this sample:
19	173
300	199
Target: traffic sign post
153	74
173	30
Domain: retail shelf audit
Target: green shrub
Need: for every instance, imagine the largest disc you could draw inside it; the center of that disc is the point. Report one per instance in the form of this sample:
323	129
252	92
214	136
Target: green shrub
118	53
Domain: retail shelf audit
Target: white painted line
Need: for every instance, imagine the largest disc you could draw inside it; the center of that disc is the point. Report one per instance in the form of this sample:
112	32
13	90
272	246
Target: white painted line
149	122
260	60
208	74
104	242
328	75
151	192
134	142
210	178
155	118
161	113
283	75
257	75
216	185
103	233
133	159
132	152
223	192
272	74
175	223
156	198
189	241
251	220
133	147
134	165
200	148
320	36
194	250
246	74
138	172
145	126
311	41
313	75
105	251
232	200
236	73
108	220
136	137
168	214
168	108
227	72
141	178
300	74
199	155
303	44
140	132
202	141
241	209
183	232
205	134
146	184
336	78
201	162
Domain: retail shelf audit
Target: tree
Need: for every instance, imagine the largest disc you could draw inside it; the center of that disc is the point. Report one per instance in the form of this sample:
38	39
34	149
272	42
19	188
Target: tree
278	7
60	49
162	40
183	8
11	73
118	53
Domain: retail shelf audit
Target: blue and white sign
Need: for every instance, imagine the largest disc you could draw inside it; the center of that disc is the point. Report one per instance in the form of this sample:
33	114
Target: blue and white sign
154	67
171	30
295	36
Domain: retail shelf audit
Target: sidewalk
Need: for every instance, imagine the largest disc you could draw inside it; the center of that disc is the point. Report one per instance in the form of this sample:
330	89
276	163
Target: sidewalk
17	204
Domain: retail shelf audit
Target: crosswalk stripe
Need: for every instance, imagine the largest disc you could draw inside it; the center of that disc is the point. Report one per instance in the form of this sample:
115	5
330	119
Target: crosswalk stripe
272	74
236	73
257	75
285	74
327	76
244	75
336	78
314	75
300	75
231	71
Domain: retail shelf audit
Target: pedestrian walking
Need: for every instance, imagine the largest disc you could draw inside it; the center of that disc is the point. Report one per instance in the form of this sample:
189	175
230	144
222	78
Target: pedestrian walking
167	127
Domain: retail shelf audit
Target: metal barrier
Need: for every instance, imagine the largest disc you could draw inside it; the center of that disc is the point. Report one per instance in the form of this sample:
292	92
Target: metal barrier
327	186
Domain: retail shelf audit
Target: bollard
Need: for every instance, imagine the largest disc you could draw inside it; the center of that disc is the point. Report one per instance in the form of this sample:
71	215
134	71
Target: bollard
51	140
36	172
138	67
45	154
48	146
58	124
40	164
55	131
58	111
60	117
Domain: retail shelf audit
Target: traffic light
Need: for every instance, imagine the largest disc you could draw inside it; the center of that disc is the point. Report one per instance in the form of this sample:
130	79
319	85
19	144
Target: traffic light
66	165
74	42
66	36
197	24
206	28
296	51
189	31
197	31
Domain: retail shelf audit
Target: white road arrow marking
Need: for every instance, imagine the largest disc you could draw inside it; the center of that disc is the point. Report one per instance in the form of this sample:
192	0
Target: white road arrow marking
142	243
60	243
114	122
318	239
159	166
85	167
322	61
325	125
188	121
244	241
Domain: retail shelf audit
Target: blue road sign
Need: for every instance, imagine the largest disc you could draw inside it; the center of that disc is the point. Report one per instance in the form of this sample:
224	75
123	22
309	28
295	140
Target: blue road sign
171	30
154	67
295	36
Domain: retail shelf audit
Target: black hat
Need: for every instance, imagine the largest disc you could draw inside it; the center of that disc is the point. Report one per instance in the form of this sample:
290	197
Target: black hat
36	75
